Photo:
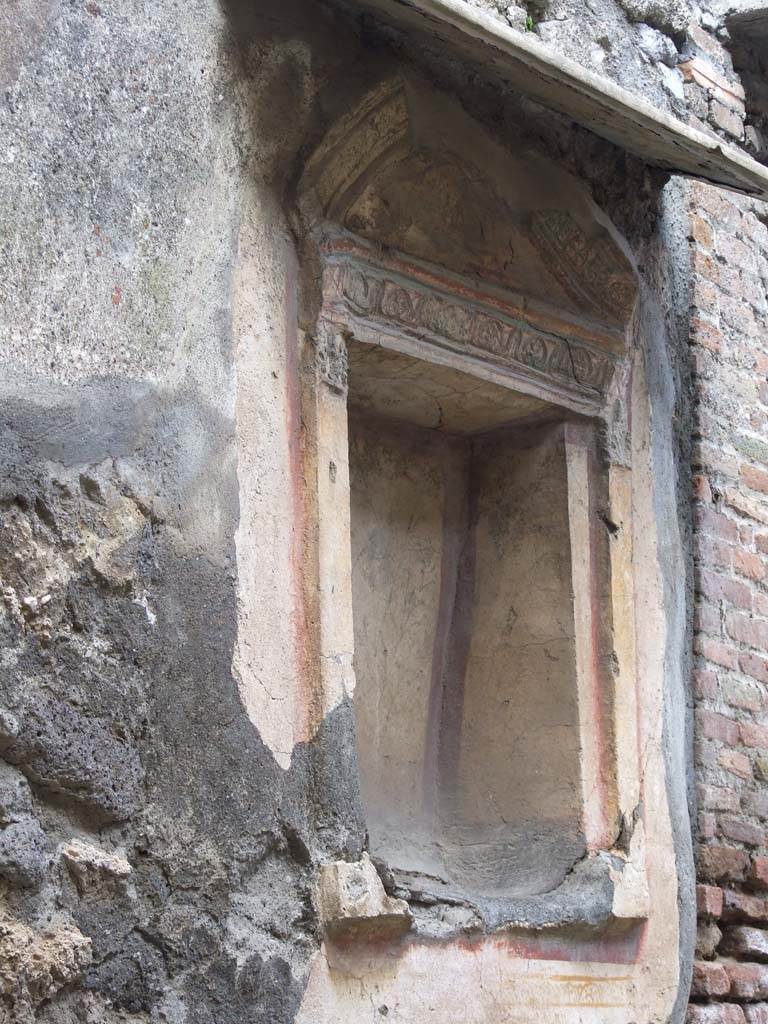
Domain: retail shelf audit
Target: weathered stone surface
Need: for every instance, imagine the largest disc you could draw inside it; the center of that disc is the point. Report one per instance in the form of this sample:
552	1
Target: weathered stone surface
63	750
709	900
350	898
133	978
747	981
24	853
656	45
716	1013
672	16
15	795
710	980
34	966
93	869
708	937
746	943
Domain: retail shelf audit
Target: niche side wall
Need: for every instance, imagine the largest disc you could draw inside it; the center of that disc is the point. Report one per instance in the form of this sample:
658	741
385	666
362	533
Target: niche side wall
466	697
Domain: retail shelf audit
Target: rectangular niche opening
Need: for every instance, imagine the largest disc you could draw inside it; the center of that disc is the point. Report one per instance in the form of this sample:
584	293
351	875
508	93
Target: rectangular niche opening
467	697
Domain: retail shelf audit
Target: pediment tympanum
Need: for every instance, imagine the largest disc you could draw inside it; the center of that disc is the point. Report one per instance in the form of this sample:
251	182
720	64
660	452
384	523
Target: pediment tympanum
414	175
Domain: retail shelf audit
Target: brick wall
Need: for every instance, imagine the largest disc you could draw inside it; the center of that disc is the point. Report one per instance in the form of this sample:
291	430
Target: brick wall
729	349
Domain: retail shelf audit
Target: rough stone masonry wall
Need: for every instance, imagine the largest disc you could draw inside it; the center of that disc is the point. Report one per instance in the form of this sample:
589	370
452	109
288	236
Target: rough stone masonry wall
678	54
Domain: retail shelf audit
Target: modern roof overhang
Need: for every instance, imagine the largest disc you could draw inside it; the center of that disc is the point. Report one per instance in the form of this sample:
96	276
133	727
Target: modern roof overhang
588	99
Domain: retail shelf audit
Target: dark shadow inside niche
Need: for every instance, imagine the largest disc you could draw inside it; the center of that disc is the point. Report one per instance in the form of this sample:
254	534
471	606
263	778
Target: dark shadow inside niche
748	44
467	699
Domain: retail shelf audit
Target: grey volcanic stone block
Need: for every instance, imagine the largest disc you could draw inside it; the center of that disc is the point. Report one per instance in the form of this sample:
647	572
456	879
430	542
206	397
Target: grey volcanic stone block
670	16
15	795
63	750
24	853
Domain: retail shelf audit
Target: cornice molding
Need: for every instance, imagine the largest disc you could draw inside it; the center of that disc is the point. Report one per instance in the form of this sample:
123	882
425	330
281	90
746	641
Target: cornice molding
378	298
602	106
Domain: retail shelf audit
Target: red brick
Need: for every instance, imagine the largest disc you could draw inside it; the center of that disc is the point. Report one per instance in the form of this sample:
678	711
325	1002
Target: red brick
735	763
701	232
761	540
740	693
717	798
730	280
704	684
722	863
705	266
753	290
698	68
709	900
747	630
706	619
717	1013
758	873
716	651
755	229
709	44
745	943
746	534
753	735
757	803
707	825
722	588
738	315
748	564
752	508
716	554
709	979
755	666
726	120
714	201
744	907
715	524
735	252
748	981
755	478
709	337
701	489
717	727
705	294
741	831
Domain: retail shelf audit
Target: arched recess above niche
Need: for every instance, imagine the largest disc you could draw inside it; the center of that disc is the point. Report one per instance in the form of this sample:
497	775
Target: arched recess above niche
408	172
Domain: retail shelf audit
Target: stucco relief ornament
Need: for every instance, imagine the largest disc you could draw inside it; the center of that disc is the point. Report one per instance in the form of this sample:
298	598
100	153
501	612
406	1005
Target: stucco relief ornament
590	270
332	358
362	292
536	353
368	294
492	336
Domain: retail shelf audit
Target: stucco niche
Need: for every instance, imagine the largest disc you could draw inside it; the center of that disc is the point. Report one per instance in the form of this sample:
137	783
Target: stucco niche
471	317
